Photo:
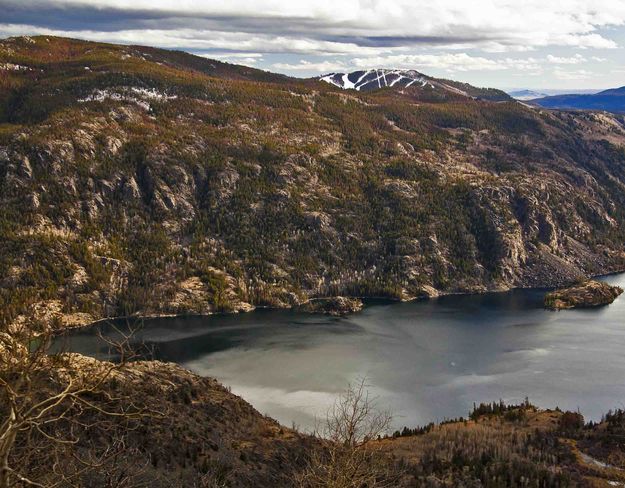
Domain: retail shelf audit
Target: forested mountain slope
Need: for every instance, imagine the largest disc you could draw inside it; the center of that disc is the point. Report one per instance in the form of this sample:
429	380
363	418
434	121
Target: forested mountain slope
141	180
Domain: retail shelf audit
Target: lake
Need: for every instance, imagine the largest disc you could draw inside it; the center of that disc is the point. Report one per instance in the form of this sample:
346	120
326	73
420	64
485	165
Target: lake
424	360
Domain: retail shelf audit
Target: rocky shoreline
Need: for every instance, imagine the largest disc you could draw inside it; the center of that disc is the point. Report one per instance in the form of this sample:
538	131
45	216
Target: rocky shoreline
108	212
336	306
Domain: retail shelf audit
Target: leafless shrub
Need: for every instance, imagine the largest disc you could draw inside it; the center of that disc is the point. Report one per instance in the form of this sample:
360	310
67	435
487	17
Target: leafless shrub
346	458
61	413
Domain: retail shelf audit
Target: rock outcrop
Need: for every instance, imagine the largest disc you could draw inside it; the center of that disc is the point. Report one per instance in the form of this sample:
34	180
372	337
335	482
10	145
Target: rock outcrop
333	306
585	295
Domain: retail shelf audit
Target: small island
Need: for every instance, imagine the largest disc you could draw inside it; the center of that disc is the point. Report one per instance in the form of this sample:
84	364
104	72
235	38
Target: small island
590	293
336	306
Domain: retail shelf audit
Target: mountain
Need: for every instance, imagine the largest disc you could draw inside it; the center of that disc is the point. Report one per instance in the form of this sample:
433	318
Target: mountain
609	100
143	181
375	79
526	94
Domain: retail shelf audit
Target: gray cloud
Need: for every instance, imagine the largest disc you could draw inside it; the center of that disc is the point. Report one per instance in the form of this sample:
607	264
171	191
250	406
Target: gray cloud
452	26
451	35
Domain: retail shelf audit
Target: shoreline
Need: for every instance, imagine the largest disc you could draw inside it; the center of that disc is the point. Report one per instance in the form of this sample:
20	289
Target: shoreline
186	330
151	316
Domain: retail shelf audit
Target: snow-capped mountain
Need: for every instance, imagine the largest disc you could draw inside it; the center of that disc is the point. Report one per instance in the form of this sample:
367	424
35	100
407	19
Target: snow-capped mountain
374	79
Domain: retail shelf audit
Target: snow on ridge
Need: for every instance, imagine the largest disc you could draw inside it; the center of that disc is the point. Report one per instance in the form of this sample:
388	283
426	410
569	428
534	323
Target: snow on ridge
375	78
362	77
329	78
346	83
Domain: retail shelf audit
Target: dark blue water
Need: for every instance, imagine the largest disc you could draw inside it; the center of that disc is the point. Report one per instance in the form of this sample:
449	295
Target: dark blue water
423	360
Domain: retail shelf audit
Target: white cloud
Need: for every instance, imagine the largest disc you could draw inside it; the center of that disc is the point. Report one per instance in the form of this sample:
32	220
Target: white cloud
232	55
580	74
578	58
248	59
445	36
198	40
303	65
450	62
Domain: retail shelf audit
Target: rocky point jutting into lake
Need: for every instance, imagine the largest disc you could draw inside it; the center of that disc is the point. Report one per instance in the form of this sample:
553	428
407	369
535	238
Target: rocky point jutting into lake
583	295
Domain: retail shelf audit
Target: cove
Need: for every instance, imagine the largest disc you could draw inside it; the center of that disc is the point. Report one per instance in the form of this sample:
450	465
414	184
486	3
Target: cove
423	360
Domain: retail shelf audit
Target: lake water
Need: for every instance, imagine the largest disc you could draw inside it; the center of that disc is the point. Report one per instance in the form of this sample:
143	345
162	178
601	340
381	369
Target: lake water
424	360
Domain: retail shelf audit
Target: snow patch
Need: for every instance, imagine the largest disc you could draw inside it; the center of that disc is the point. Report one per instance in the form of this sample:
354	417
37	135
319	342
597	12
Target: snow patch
14	67
128	94
330	79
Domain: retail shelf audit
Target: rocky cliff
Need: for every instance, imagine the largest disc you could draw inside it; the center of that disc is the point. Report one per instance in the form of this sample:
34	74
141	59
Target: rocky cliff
136	180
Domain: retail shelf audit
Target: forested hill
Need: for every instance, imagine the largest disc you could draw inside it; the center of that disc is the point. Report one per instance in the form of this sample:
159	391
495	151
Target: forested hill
141	180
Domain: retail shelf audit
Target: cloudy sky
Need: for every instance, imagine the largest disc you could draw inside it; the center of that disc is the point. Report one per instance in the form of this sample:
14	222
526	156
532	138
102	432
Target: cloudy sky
567	44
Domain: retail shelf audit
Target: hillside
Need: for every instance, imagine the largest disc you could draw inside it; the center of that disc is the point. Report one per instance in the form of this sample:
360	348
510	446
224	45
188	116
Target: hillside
608	100
195	432
501	445
138	180
192	432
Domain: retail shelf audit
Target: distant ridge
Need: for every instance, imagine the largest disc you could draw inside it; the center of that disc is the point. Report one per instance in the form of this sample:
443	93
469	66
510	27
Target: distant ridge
527	94
612	100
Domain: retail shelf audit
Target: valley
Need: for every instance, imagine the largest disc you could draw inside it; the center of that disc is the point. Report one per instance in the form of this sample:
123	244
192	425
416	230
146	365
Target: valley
242	232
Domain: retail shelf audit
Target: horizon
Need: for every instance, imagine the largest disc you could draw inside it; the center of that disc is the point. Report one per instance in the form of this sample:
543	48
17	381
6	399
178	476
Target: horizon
557	47
547	91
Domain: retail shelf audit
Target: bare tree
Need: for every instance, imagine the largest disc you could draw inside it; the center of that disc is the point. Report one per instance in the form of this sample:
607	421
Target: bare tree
346	457
51	405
